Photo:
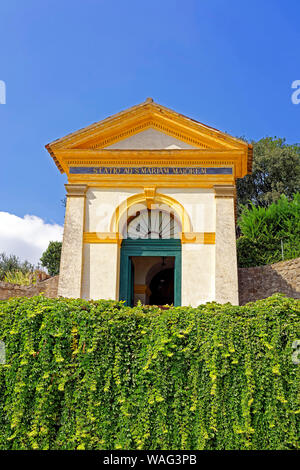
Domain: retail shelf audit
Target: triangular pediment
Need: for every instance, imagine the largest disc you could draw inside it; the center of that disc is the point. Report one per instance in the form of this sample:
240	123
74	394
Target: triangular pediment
147	126
150	139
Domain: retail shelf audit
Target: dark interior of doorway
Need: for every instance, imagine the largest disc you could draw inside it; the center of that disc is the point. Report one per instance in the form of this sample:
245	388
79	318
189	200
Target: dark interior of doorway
162	288
152	280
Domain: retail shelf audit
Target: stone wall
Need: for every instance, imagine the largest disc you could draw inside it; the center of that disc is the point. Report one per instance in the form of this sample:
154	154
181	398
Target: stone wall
48	287
254	283
263	281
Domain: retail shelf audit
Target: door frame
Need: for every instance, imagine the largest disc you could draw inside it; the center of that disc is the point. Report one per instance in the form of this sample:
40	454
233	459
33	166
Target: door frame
149	247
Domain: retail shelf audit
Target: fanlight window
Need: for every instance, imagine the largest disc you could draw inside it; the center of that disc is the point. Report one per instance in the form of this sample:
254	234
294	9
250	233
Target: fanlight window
156	223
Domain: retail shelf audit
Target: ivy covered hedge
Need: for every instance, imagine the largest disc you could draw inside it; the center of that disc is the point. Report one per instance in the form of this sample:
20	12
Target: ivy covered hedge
98	375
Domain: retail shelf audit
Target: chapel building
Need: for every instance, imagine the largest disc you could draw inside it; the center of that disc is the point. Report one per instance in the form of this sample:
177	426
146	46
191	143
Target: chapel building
150	211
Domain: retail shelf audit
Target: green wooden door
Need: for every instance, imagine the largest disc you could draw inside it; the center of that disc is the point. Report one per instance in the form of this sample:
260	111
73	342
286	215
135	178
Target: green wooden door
131	281
148	247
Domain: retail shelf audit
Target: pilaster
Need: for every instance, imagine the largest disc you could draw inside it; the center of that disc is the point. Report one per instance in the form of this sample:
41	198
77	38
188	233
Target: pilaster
70	274
226	276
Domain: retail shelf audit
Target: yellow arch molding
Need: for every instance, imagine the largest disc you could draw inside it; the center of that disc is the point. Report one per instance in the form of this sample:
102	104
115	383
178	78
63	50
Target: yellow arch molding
147	198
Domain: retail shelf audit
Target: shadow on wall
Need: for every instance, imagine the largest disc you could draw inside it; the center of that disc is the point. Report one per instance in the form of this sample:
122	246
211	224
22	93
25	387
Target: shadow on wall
263	281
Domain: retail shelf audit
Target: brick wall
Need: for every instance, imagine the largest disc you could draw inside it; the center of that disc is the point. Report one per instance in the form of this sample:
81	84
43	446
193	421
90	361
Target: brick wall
48	287
263	281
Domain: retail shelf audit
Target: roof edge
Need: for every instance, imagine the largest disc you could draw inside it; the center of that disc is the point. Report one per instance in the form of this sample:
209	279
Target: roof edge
57	163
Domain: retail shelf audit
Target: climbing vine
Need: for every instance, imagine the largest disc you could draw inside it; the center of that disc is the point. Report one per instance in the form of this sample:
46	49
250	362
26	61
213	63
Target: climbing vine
100	375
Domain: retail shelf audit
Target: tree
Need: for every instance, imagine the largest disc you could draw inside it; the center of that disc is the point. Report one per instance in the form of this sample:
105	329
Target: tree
50	259
269	234
276	171
12	264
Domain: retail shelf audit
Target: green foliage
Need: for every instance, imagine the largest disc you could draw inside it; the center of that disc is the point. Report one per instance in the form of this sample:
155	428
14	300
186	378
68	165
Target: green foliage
266	231
20	278
276	171
11	263
51	258
99	375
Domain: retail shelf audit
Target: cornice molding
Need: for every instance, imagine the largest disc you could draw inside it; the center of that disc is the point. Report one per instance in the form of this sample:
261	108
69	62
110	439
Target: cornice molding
193	157
224	191
155	153
138	181
151	124
138	118
141	162
76	190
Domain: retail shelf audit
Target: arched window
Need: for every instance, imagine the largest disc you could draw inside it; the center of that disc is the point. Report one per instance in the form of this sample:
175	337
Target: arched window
152	224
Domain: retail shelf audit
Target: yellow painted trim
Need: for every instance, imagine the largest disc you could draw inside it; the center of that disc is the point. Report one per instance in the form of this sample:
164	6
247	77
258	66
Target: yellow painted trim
143	116
152	158
164	182
205	238
137	118
149	194
140	288
118	154
141	183
102	237
167	127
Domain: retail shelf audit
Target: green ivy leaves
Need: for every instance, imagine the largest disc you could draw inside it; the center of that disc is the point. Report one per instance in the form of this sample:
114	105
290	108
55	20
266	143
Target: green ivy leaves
100	375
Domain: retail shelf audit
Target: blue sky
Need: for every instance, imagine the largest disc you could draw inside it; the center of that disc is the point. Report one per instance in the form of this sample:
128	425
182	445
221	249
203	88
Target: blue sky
68	63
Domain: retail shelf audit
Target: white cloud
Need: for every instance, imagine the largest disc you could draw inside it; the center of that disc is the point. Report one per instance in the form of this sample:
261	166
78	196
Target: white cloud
26	237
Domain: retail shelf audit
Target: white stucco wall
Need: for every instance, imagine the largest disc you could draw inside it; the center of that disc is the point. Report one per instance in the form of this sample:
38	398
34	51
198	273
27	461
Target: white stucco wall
198	274
100	261
199	203
100	271
100	206
150	139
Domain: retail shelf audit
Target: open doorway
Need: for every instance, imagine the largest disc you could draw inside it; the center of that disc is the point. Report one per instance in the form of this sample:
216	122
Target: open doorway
140	262
153	279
